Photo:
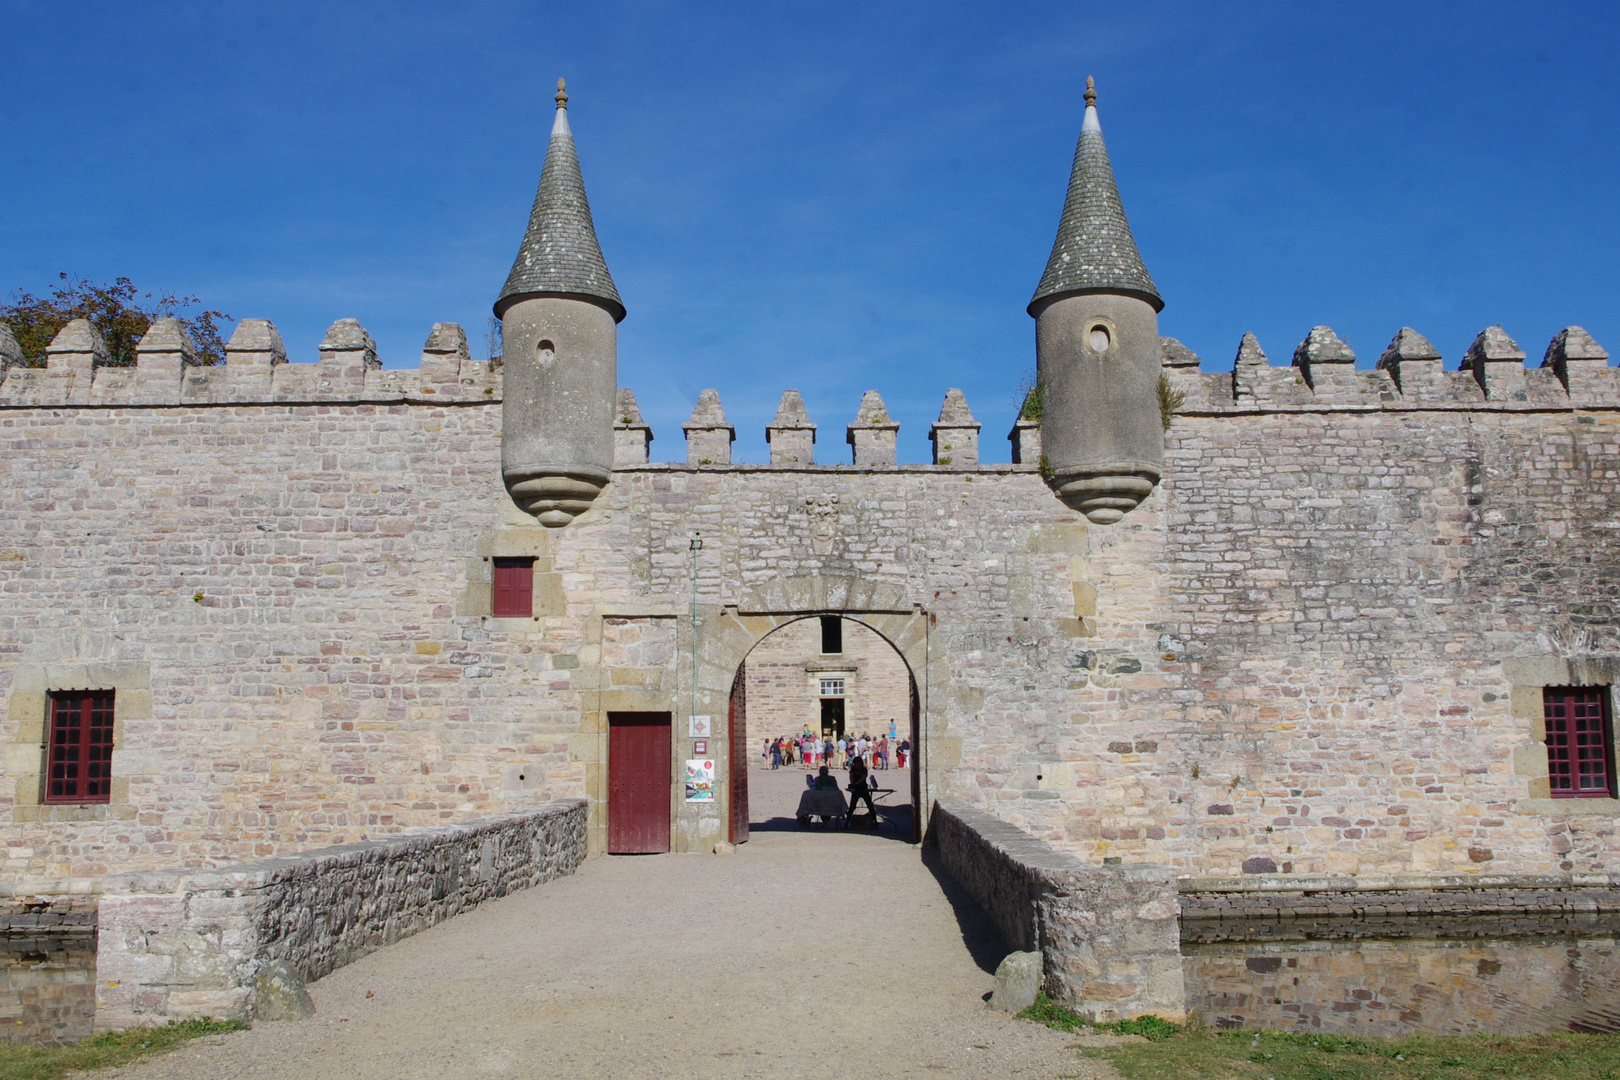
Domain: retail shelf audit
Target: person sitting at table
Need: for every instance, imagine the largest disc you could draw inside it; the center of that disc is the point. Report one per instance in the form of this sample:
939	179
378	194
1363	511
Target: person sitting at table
825	782
860	787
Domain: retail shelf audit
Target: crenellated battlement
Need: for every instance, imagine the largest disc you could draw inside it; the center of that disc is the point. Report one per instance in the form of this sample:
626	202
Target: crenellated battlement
256	370
1574	373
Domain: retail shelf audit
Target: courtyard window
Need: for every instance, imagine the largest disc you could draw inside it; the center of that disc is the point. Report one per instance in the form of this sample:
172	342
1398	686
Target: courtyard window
832	687
513	595
1580	741
80	746
832	634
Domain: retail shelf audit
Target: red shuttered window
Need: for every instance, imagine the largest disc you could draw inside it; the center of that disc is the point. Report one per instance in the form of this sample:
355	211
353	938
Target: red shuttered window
79	769
514	589
1580	742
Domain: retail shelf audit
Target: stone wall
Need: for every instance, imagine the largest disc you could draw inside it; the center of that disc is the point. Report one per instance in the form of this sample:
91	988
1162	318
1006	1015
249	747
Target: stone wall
1317	649
1107	935
1523	986
47	988
190	943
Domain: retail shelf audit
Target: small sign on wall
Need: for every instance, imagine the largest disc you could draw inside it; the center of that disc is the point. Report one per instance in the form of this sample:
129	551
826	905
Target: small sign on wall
702	727
700	747
700	780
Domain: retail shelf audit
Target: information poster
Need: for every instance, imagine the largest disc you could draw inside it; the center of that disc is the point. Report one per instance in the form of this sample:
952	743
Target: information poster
700	780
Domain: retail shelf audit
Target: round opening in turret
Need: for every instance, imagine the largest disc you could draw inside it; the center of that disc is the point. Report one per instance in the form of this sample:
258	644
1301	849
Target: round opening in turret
545	352
1098	338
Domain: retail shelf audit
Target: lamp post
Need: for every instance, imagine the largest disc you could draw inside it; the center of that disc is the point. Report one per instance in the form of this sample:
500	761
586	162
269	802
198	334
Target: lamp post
695	547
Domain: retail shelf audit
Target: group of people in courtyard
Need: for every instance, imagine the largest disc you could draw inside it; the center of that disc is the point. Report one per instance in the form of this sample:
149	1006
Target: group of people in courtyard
837	752
860	755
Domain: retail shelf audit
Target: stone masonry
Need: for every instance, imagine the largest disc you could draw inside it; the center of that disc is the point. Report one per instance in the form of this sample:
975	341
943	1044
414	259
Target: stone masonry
179	944
1107	935
1317	648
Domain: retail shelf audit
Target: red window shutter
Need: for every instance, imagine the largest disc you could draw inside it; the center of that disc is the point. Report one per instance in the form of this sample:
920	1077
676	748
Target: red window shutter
79	765
1580	742
513	596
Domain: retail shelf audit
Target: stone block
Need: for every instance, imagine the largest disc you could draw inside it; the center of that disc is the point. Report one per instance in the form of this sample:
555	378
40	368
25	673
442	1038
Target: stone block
792	437
708	435
872	436
1579	362
1025	437
278	993
955	435
1018	980
1497	363
1536	672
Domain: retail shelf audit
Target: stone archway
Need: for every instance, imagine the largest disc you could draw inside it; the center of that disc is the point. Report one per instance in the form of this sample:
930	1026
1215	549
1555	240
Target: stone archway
780	688
726	633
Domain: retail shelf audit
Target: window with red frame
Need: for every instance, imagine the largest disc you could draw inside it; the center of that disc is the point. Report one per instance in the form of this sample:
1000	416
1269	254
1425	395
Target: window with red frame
1580	742
514	589
79	765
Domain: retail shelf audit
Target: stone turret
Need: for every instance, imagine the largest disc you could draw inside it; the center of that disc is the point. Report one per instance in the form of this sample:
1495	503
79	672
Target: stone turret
559	315
1096	314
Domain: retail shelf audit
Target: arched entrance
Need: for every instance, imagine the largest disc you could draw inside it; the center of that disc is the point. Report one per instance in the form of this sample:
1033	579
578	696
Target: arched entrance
820	689
683	665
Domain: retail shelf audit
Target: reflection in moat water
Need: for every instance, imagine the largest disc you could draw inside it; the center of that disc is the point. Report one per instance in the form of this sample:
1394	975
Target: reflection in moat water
1407	976
47	988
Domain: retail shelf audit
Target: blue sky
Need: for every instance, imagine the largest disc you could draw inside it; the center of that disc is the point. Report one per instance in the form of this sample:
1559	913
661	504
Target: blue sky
827	196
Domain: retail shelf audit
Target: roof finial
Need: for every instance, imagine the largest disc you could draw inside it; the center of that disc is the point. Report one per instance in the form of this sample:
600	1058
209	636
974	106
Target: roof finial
562	95
1091	91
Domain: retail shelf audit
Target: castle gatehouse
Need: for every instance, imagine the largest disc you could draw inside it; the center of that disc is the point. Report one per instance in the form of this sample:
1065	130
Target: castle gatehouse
1288	626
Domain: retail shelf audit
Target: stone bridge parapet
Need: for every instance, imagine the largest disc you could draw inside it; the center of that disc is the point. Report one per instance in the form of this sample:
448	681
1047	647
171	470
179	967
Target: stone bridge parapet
1109	936
191	943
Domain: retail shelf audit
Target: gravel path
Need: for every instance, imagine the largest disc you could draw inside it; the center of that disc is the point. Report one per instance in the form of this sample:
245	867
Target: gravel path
675	966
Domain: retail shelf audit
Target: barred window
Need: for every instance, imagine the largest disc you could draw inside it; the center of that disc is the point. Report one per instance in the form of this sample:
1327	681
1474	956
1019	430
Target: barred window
1580	741
80	747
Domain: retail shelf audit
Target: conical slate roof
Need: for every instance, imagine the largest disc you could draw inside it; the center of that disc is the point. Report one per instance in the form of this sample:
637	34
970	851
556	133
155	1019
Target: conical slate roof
1094	250
560	255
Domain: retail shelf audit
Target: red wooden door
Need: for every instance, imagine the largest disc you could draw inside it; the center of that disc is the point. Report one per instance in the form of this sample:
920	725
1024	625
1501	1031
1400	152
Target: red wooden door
737	745
916	768
639	781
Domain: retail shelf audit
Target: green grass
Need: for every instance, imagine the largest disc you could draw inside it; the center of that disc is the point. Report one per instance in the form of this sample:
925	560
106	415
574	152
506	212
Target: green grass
23	1061
1056	1016
1199	1053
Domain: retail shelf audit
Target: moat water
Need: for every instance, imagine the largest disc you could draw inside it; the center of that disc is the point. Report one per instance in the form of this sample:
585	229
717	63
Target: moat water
1386	977
1410	976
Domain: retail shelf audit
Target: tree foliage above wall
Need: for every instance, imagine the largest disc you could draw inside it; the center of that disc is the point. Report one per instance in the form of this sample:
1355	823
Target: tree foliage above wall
120	312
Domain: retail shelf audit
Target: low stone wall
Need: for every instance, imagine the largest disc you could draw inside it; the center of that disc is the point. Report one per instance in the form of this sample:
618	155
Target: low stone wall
188	943
1108	935
1519	895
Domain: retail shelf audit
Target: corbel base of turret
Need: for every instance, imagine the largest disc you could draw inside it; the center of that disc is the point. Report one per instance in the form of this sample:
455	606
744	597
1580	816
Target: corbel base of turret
1104	493
555	495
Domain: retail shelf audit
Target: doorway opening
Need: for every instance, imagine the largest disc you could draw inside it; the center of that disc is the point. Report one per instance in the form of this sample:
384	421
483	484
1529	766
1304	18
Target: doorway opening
797	705
832	718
